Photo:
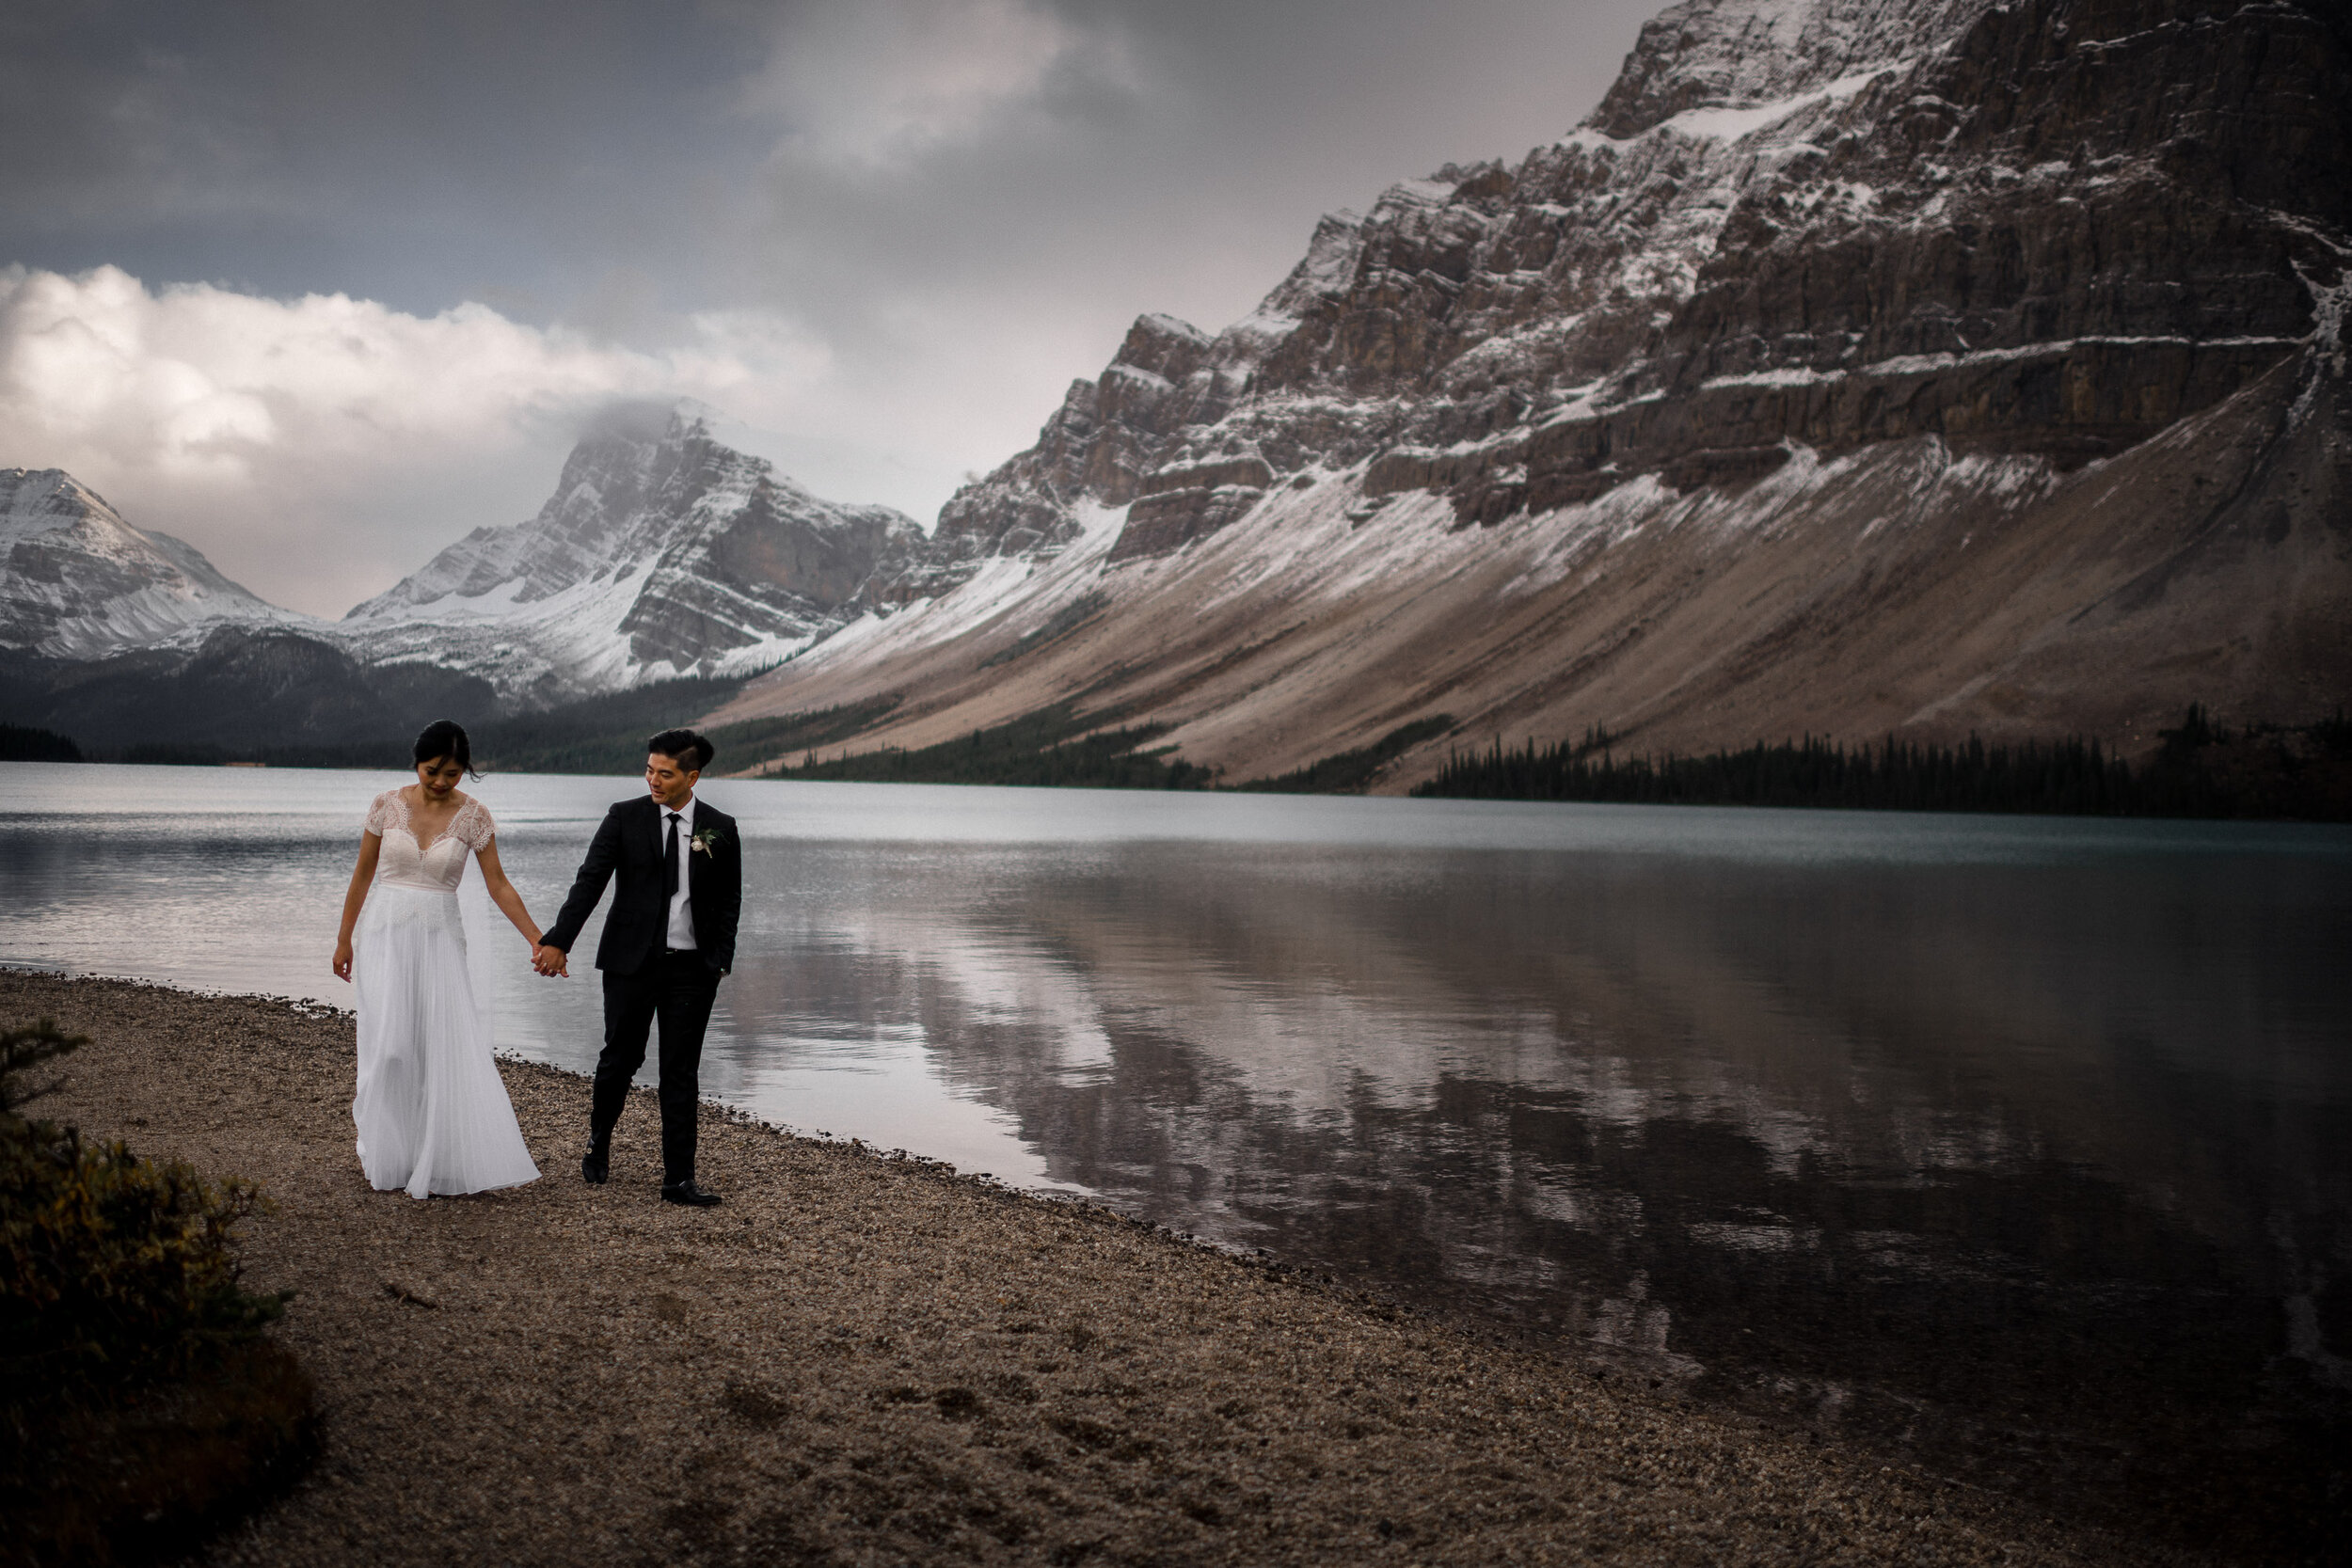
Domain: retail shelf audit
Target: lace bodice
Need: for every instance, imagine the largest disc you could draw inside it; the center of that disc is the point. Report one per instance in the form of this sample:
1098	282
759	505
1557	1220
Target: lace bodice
405	863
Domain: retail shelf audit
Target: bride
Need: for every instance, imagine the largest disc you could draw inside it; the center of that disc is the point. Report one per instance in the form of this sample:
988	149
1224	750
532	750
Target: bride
433	1112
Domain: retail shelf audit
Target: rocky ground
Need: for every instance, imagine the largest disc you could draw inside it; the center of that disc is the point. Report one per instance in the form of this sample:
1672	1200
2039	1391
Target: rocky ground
863	1359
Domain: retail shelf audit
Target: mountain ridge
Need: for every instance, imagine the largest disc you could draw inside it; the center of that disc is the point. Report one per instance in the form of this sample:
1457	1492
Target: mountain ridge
661	553
1994	385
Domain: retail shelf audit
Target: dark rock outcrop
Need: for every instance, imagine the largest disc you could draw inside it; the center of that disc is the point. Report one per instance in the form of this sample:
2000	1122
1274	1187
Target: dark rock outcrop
1184	501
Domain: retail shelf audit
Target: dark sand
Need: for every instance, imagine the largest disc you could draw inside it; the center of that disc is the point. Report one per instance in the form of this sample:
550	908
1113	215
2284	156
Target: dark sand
864	1360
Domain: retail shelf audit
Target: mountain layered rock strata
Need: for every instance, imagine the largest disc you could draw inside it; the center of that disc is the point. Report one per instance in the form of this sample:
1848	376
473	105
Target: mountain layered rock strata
1924	366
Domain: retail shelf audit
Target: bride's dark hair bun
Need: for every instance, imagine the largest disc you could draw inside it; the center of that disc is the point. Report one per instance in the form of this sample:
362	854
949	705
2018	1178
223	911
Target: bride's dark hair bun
445	738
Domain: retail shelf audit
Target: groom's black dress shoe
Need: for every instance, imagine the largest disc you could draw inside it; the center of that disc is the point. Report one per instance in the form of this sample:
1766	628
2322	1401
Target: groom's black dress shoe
687	1193
592	1167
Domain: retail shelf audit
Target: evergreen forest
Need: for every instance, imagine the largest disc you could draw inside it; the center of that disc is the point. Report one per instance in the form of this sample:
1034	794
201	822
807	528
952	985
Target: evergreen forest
2202	770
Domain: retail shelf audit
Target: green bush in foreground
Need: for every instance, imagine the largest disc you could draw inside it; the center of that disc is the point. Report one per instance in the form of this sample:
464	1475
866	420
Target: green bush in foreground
111	1267
138	1402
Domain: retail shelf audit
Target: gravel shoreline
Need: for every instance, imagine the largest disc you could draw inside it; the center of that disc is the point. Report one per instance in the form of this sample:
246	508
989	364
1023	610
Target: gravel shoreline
864	1360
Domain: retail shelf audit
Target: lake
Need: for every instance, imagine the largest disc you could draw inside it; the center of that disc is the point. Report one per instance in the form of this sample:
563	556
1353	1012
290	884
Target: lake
2019	1146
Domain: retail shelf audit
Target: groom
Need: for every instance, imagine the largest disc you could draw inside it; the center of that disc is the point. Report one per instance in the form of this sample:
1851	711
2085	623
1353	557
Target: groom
670	937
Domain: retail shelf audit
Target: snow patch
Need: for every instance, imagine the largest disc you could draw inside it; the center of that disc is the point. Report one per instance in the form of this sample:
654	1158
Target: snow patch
1727	123
2328	301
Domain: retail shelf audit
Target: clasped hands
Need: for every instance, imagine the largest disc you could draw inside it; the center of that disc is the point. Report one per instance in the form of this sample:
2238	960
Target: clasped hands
551	962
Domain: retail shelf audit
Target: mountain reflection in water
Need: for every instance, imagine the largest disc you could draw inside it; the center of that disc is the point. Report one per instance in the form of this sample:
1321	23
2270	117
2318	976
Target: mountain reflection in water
2020	1147
2007	1167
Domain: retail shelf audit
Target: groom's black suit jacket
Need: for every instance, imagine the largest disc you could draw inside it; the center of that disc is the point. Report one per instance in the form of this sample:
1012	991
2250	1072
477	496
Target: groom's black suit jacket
628	844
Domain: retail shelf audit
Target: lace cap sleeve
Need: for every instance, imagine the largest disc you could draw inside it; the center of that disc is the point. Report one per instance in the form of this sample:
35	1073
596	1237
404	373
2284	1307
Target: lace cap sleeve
474	826
380	812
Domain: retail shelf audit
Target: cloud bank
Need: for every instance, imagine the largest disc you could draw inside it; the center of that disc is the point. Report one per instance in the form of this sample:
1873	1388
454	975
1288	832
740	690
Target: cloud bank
265	428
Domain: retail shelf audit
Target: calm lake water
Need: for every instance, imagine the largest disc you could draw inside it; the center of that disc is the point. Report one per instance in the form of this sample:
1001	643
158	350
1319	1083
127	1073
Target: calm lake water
2023	1145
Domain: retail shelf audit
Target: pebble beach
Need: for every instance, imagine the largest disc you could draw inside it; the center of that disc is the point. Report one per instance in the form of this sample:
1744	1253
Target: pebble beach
860	1359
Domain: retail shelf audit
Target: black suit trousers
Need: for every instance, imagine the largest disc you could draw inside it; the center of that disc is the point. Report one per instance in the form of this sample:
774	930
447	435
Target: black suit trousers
679	989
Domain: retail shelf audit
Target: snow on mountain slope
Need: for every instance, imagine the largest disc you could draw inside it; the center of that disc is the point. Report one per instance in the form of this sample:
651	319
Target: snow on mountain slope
661	553
78	583
1841	333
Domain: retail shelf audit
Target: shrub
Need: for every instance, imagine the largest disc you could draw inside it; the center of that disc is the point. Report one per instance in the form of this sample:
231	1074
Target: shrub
112	1268
146	1475
139	1404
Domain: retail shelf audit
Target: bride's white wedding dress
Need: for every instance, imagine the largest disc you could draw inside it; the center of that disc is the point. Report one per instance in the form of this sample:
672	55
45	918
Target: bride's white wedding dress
432	1111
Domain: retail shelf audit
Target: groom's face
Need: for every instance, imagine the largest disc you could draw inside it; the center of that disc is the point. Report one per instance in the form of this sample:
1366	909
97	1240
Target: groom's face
671	781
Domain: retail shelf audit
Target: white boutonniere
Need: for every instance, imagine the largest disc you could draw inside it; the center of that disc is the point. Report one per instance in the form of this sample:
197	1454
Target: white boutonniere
705	839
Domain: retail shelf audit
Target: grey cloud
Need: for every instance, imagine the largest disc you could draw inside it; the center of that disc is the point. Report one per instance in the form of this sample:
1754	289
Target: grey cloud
415	153
632	170
428	152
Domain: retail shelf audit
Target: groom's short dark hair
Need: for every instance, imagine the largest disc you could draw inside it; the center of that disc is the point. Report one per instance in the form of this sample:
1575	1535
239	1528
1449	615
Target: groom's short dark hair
685	747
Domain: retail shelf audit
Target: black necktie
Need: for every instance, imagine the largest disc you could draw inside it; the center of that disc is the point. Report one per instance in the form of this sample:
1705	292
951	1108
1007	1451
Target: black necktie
670	867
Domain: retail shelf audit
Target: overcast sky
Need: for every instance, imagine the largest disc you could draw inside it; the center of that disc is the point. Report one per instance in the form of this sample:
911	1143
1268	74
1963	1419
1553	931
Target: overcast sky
320	286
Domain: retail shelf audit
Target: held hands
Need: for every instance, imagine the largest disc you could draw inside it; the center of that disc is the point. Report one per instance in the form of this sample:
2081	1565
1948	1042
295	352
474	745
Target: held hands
551	962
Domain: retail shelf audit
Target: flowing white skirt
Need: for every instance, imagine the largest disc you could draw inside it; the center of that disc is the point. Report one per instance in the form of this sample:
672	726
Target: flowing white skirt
432	1110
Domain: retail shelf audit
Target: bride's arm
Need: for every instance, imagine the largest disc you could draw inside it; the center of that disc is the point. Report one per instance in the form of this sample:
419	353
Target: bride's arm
361	876
503	893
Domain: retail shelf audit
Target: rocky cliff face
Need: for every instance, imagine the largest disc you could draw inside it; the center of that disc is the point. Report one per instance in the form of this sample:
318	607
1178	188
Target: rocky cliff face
1822	289
77	582
2052	227
661	553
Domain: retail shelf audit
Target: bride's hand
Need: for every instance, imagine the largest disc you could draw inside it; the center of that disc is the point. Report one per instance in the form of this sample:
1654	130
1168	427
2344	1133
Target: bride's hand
343	960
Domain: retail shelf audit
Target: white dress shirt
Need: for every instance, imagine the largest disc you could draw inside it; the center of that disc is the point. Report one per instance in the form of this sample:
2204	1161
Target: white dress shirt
681	912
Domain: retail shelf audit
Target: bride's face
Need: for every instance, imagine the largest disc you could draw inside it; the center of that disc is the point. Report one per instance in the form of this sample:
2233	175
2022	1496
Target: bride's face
438	777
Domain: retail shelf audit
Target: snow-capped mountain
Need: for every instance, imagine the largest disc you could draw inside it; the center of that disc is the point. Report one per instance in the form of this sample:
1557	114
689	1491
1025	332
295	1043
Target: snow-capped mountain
126	637
662	552
1856	366
78	583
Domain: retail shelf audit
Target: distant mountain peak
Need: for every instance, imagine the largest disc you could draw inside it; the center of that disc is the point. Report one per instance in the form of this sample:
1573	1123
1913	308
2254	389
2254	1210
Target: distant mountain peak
661	552
77	581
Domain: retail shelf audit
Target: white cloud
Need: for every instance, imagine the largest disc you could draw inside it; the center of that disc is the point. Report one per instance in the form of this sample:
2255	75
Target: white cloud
865	84
320	446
